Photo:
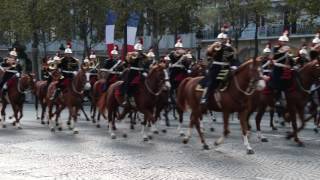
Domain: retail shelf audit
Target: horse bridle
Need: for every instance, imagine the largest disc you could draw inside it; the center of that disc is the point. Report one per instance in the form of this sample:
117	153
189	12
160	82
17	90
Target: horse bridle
151	91
252	83
74	89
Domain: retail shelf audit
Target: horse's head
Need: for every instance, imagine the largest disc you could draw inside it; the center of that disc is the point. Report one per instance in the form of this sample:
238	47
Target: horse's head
82	79
157	76
312	70
250	71
198	69
27	81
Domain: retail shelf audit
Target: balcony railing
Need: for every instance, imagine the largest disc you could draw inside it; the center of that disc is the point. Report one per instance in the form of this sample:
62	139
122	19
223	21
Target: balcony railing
266	31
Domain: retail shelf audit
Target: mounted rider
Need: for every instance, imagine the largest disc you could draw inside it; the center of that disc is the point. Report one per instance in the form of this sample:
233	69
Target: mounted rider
282	62
93	62
136	63
68	66
179	65
111	66
266	57
219	66
52	64
303	56
314	54
11	67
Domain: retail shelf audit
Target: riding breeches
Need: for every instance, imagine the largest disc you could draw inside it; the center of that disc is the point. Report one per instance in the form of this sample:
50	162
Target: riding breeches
210	81
127	87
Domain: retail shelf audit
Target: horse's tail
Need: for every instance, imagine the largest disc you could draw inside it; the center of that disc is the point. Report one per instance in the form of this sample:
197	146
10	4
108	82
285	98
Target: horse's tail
181	94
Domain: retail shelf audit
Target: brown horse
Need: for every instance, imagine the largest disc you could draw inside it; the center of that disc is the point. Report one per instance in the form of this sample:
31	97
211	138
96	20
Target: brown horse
71	98
243	83
145	99
16	96
40	92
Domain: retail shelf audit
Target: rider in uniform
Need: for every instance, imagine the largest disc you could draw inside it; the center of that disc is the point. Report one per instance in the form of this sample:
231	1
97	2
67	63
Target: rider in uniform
282	64
136	68
68	66
266	57
219	67
111	66
11	68
303	56
179	63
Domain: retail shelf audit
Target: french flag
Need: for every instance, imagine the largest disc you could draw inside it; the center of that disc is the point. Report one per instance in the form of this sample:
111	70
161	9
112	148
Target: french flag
109	33
132	25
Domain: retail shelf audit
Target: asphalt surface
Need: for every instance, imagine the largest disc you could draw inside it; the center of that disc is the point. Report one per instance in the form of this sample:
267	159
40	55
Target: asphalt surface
36	153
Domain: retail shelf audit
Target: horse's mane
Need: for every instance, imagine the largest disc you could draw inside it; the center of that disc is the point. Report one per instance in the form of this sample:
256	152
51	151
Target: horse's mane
155	67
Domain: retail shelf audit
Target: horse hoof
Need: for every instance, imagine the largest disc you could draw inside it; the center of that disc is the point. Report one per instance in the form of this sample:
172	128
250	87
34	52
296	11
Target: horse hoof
43	123
250	151
10	117
132	127
124	135
52	130
164	130
68	123
38	118
114	128
60	129
212	129
155	132
185	141
113	136
214	120
182	134
150	137
216	143
19	128
75	132
205	147
4	126
282	124
145	139
13	124
98	126
57	124
274	129
264	140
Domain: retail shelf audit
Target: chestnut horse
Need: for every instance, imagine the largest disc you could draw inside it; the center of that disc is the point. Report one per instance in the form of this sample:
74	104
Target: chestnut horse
17	88
145	98
71	97
243	82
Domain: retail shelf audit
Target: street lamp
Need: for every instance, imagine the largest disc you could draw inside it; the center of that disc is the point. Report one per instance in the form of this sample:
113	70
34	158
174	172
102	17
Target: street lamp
199	37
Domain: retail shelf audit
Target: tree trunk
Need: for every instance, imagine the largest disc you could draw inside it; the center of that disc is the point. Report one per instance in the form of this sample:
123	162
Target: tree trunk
256	43
44	42
125	42
35	51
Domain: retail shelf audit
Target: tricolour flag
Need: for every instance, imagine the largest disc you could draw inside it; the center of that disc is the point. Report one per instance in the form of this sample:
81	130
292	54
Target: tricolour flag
132	25
109	33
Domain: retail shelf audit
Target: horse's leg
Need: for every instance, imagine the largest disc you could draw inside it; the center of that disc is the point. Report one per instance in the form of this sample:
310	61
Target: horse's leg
191	124
74	119
271	112
3	113
260	113
154	127
111	121
20	115
36	104
180	122
49	117
226	130
294	134
144	125
84	113
16	115
244	128
196	120
43	112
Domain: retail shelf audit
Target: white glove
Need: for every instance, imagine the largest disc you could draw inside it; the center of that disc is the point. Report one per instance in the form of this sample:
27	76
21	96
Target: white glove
233	67
168	85
189	71
18	74
145	74
74	72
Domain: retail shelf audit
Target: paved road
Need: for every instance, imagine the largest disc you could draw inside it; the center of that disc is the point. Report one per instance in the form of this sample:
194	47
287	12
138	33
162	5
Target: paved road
36	153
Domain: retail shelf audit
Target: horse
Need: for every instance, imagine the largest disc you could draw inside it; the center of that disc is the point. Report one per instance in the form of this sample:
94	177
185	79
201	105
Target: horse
71	97
16	96
234	98
40	93
145	99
